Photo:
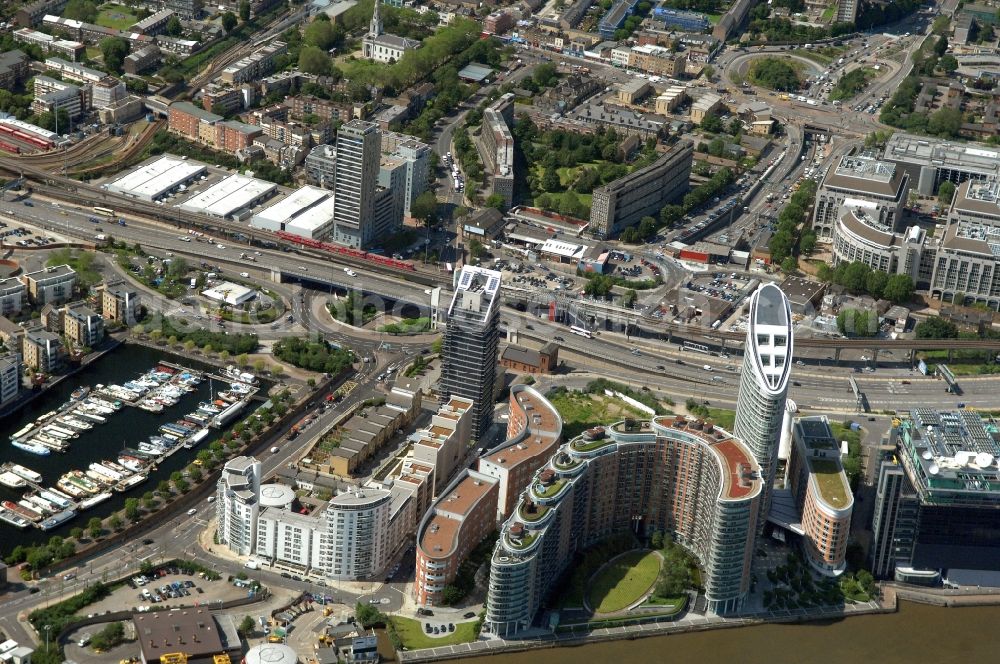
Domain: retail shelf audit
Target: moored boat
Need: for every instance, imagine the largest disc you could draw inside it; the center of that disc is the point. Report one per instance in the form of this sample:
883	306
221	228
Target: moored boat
32	448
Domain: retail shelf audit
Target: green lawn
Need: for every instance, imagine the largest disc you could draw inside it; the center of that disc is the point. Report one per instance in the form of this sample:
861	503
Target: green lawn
582	411
828	13
713	18
116	16
623	582
411	633
94	53
831	485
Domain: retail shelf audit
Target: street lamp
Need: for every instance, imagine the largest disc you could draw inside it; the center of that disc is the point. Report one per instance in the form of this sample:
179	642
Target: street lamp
47	628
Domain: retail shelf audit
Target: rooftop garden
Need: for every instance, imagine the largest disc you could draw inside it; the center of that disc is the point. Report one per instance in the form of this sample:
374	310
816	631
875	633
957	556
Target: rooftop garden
543	491
831	486
582	410
523	542
530	512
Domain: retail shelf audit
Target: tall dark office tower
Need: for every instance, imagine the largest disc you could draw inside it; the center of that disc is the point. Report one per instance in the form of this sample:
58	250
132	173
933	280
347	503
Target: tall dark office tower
469	368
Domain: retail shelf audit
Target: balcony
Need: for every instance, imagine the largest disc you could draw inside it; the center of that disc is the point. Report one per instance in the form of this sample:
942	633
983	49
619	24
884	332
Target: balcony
547	491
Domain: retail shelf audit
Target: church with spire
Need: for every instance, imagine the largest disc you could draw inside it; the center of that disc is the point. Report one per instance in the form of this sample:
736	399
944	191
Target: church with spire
382	47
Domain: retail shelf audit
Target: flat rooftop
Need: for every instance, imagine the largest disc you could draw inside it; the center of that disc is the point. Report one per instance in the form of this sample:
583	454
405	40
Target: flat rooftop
864	173
439	536
294	204
229	195
926	151
192	631
155	178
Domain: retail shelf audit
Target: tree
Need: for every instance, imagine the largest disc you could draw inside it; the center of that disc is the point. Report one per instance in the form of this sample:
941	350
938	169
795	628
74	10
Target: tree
246	626
898	289
132	509
945	122
320	34
708	71
857	323
241	360
367	615
114	50
946	192
656	541
425	207
76	533
115	522
229	22
314	60
545	74
775	73
789	264
195	473
948	63
936	328
174	27
48	120
81	10
550	181
245	11
496	201
94	528
630	297
647	227
807	243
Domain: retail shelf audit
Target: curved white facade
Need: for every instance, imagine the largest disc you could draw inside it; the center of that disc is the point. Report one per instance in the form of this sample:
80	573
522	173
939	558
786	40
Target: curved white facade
767	359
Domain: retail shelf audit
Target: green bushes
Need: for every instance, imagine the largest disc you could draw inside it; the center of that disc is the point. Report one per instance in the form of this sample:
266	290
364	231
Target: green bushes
61	614
645	398
235	344
109	637
313	355
407	326
775	73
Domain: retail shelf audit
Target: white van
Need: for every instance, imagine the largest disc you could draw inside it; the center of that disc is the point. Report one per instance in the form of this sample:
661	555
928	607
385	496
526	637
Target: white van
252	564
707	367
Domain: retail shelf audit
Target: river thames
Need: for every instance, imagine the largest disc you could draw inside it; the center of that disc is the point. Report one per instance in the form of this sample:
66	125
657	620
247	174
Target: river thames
916	634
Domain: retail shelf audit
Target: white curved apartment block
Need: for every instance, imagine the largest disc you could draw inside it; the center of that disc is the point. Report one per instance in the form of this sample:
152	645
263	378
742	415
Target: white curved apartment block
356	543
767	359
238	504
681	476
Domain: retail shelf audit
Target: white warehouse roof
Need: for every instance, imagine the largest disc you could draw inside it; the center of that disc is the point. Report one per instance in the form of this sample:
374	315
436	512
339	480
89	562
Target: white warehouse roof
230	293
315	223
230	195
151	181
289	207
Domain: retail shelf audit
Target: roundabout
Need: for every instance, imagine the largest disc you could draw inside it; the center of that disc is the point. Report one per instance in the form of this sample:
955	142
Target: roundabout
741	65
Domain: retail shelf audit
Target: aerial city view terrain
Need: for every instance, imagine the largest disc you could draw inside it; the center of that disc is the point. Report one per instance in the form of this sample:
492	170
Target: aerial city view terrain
348	331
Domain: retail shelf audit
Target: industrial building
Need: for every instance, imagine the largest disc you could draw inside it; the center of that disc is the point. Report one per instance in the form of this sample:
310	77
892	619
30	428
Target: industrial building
157	178
307	212
232	197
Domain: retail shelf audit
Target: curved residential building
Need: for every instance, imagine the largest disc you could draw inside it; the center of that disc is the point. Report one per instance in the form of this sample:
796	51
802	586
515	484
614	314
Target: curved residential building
533	432
767	359
681	476
356	542
456	523
472	505
238	504
822	494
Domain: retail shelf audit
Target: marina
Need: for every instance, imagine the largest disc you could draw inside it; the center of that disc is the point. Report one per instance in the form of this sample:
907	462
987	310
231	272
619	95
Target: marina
73	442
